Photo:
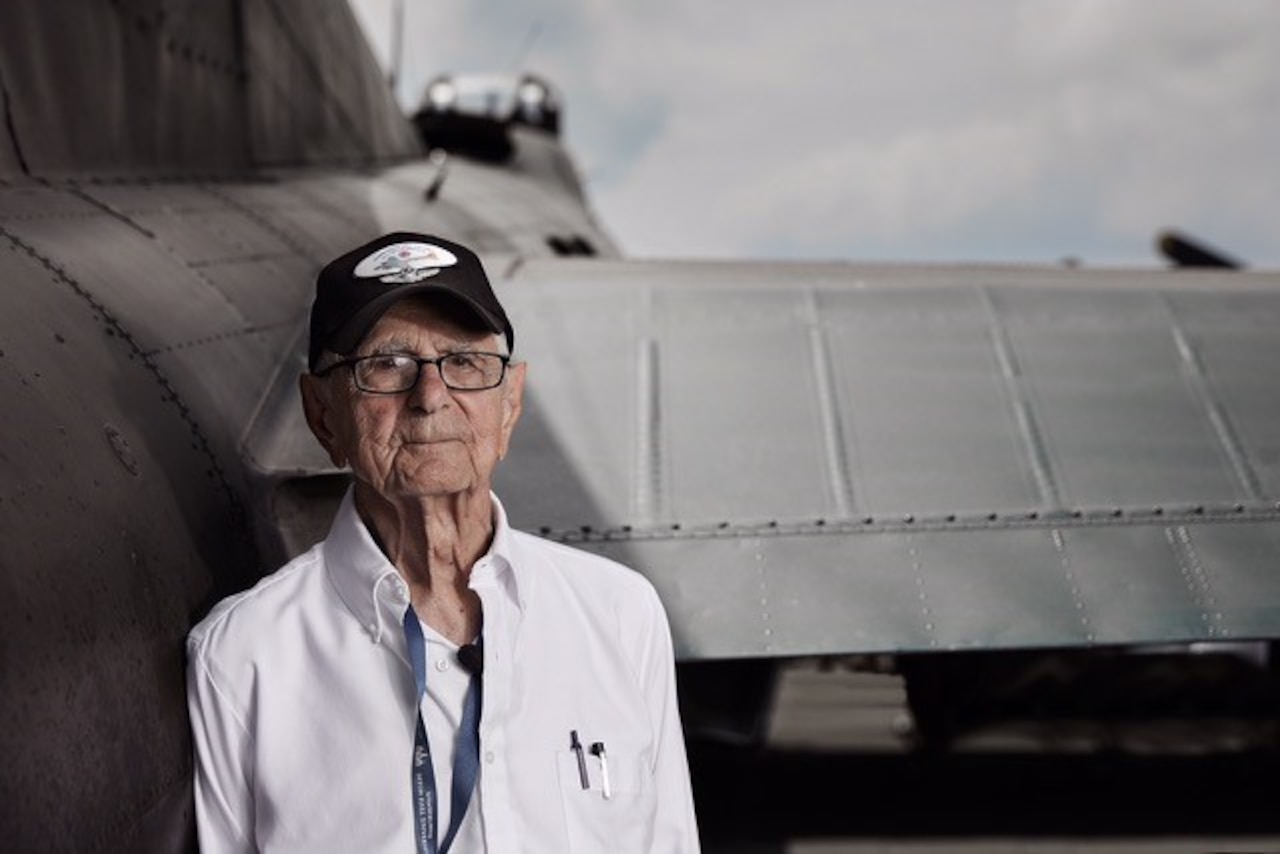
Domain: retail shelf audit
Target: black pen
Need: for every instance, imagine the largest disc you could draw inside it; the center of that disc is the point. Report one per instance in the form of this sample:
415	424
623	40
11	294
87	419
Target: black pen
576	747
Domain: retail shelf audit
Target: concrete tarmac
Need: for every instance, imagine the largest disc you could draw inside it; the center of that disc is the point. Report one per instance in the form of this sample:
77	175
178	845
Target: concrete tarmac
839	775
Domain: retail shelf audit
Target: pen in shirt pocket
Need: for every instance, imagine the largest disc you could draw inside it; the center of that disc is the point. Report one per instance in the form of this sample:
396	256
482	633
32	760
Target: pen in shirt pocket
597	750
576	746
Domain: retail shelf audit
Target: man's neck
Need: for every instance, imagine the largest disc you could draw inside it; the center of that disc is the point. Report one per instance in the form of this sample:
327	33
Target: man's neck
434	542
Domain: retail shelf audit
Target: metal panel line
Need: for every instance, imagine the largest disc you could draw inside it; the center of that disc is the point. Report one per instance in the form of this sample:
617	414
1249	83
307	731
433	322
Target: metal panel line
832	429
649	458
1197	381
1028	427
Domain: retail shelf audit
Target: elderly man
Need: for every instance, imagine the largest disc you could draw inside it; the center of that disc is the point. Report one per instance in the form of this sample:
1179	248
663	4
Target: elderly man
428	678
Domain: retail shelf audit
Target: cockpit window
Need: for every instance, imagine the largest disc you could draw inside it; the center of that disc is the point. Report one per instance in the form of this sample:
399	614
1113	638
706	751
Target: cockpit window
526	99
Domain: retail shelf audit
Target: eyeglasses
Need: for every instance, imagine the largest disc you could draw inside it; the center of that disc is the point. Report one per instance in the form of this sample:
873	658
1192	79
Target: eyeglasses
392	373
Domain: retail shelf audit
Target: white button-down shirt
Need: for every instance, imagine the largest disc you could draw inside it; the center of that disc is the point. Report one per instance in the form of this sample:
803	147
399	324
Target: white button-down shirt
302	707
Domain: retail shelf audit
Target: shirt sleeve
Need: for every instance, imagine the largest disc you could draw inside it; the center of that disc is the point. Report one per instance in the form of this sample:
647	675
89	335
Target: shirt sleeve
223	789
675	829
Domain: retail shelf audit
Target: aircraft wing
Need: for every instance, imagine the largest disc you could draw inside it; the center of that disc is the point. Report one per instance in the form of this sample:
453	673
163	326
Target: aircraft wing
831	458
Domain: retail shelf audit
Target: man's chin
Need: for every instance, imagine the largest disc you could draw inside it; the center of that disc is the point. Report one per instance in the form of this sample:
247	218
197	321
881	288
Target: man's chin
434	484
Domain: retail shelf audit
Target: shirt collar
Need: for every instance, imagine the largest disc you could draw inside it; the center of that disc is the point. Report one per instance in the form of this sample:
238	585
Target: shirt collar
371	587
500	562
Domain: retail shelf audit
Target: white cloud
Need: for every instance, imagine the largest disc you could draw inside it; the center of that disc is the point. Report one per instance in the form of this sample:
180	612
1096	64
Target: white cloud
920	128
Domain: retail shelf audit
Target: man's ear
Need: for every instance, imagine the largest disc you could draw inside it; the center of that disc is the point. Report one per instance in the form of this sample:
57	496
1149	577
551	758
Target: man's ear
317	404
512	403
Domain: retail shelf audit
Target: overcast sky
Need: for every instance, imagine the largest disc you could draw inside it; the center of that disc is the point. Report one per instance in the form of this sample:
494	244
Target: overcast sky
997	130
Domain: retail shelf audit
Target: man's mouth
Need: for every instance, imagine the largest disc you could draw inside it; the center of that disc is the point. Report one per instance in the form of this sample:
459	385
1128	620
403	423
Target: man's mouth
430	440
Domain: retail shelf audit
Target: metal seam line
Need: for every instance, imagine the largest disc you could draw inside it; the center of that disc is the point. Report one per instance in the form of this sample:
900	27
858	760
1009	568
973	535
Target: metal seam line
1028	427
81	193
1193	574
878	527
12	129
1082	615
259	217
832	430
766	619
169	393
649	458
1198	382
922	594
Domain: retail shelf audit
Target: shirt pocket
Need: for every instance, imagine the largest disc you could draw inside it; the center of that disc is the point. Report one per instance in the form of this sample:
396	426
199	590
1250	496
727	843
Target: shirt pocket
619	824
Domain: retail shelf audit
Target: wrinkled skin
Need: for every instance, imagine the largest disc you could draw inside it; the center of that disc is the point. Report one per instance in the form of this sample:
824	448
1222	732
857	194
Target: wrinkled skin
422	460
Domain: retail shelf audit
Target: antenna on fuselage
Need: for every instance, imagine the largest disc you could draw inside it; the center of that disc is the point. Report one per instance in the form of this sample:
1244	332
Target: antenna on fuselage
1185	251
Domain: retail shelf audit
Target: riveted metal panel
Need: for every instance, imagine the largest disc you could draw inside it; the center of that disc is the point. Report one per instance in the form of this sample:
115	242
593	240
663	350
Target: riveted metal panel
1235	565
212	237
822	591
124	89
932	427
1084	494
201	224
787	594
317	93
111	517
321	217
221	381
159	300
278	441
581	433
181	88
1007	392
1134	585
273	292
1121	425
996	588
738	592
38	201
713	621
145	198
739	399
1233	333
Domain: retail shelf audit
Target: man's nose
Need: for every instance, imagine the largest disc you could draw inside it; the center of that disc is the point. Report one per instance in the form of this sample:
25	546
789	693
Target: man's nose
429	392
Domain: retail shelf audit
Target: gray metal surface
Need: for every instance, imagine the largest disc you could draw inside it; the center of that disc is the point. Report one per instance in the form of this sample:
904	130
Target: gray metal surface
315	88
832	458
110	515
152	281
155	279
140	87
180	88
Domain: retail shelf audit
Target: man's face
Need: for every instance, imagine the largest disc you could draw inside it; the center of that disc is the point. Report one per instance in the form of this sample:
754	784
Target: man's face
430	440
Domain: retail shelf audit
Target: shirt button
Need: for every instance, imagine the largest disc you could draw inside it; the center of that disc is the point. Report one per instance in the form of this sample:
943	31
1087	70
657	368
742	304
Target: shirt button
488	757
442	664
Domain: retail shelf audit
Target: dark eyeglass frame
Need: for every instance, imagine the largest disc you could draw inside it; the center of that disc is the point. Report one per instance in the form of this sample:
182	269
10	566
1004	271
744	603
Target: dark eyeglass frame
419	361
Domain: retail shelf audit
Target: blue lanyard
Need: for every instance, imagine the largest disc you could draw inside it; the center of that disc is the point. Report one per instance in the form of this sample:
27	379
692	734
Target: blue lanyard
466	757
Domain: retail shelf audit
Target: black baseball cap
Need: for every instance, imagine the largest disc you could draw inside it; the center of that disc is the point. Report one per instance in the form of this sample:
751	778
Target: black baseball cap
353	290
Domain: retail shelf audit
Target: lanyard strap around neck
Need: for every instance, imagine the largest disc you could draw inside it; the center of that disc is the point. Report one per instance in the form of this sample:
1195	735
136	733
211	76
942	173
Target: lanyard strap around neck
466	756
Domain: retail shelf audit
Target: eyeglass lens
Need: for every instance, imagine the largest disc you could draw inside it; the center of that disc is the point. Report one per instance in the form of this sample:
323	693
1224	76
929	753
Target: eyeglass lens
395	372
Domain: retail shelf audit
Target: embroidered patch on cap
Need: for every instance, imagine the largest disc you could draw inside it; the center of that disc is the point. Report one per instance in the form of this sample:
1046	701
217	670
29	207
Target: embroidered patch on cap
405	263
